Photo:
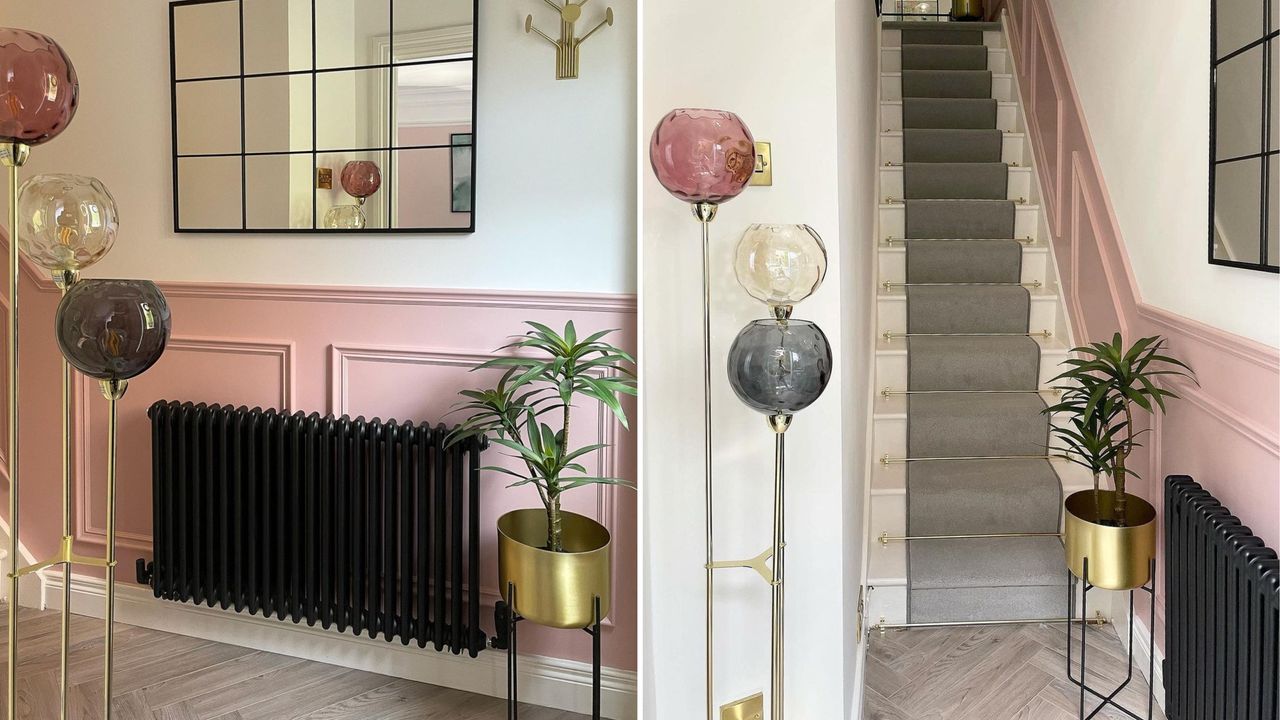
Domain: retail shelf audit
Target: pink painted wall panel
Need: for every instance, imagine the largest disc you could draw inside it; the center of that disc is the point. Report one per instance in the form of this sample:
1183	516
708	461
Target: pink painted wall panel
377	352
1225	432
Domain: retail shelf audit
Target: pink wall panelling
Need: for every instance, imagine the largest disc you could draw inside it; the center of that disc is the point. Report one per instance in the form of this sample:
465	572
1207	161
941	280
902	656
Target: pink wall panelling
384	353
1225	432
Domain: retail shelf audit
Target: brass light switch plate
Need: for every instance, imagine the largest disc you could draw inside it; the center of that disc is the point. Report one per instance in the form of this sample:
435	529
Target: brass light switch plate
324	178
764	165
751	708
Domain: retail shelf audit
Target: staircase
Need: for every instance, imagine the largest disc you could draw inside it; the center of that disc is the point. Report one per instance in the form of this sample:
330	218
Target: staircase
971	326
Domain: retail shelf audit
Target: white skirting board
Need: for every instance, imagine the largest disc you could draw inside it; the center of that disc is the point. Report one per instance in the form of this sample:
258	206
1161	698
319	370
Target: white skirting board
32	590
1141	641
550	682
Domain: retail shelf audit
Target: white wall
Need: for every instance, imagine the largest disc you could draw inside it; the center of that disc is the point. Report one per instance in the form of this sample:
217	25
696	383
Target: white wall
1142	73
779	66
555	183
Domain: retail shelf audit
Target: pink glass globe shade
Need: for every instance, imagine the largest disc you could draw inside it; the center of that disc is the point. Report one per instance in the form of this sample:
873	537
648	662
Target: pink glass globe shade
361	178
702	155
39	91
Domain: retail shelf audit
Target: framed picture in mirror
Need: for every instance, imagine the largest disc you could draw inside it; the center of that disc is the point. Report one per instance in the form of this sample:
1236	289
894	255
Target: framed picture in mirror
323	115
1244	134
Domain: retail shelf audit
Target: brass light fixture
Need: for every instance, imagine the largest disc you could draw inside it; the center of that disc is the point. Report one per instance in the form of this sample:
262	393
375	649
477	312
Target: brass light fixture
568	45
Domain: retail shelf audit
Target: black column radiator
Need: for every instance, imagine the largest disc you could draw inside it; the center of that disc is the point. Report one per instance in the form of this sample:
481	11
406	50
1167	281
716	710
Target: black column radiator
371	527
1223	612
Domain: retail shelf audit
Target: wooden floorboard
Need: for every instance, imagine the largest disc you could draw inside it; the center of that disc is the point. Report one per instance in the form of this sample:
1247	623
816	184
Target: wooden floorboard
1012	672
163	676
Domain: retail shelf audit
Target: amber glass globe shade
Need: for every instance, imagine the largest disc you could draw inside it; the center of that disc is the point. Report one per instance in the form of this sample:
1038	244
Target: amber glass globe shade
112	329
39	91
66	222
780	264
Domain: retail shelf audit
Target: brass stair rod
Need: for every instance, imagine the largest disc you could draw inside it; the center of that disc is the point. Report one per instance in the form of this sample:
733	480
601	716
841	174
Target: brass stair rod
889	285
890	392
886	538
882	626
886	460
902	241
894	335
13	155
902	201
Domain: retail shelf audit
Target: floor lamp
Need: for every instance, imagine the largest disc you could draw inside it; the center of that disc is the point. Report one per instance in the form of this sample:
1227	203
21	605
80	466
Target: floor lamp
779	366
705	158
111	330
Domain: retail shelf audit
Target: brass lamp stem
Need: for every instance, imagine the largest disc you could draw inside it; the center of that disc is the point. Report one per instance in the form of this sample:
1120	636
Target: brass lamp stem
13	156
705	212
64	280
113	390
779	423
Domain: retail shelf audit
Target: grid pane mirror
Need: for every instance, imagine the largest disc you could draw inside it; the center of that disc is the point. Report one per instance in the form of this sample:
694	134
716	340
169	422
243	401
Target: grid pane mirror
1244	135
323	115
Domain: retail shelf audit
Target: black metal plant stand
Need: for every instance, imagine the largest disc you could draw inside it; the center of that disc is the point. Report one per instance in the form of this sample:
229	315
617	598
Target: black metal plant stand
1109	699
507	620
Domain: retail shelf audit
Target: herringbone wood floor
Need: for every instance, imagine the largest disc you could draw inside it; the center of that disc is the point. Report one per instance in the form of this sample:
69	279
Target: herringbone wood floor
1012	672
161	676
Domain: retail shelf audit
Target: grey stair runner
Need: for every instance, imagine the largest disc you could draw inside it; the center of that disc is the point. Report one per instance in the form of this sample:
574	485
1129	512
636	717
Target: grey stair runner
952	146
949	113
986	181
944	57
960	219
969	318
946	83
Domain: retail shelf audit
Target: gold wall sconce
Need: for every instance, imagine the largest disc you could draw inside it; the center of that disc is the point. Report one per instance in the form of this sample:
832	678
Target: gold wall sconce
568	45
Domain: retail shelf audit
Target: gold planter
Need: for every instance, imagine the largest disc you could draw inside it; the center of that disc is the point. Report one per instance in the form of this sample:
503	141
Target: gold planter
1119	556
555	589
967	10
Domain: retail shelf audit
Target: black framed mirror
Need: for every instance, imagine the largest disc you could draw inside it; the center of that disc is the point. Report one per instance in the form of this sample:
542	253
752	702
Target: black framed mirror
323	115
1244	134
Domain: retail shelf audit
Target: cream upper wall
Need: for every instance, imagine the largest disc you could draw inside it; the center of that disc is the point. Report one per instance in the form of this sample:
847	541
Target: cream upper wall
555	180
1142	74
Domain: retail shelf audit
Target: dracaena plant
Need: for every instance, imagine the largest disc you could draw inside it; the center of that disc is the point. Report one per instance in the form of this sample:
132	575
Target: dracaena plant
538	387
1105	385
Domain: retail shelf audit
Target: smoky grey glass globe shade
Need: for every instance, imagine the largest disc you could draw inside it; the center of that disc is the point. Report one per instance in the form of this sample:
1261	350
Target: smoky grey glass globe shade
780	367
112	329
780	265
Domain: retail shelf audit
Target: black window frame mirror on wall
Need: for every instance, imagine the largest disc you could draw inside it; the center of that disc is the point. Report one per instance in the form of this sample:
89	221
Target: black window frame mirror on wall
1244	134
273	98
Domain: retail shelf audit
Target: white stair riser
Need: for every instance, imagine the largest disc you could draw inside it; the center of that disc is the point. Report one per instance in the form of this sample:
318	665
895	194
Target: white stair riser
1012	151
1026	221
893	266
891	368
1019	183
888	602
893	38
891	59
891	87
891	116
